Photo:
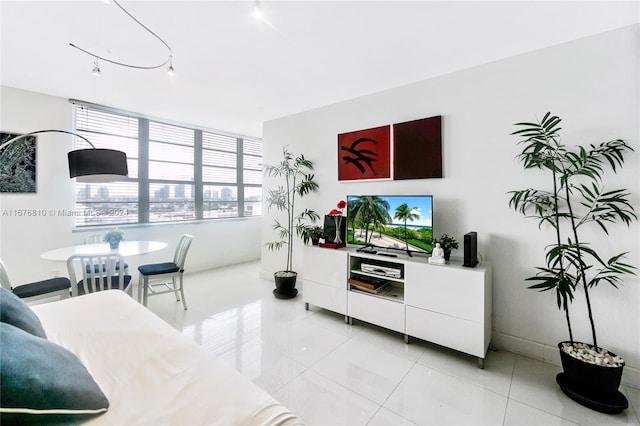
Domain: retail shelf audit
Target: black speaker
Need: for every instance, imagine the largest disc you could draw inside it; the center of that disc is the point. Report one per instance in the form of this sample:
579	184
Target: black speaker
470	249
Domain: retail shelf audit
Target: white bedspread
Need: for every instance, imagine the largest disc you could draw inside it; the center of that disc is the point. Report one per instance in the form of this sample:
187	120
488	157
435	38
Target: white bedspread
151	373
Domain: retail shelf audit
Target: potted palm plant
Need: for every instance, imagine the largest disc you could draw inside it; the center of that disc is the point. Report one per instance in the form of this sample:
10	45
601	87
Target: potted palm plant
297	182
575	201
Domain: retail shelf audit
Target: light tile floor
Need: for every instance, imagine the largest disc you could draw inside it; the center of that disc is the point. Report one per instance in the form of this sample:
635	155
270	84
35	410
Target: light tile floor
331	373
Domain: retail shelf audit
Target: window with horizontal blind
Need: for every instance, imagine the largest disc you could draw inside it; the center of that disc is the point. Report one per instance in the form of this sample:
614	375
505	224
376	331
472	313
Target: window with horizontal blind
252	177
219	175
176	173
171	173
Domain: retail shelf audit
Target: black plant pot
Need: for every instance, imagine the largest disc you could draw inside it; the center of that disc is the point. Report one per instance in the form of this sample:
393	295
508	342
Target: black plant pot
591	385
285	284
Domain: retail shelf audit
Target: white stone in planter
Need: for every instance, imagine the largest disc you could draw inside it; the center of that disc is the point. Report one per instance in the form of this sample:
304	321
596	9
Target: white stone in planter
585	353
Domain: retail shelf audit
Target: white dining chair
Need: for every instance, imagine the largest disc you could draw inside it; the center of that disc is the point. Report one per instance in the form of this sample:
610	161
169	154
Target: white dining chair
58	286
98	272
97	239
166	277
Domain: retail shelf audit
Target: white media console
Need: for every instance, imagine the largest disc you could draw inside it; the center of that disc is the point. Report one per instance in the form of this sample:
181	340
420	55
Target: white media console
449	305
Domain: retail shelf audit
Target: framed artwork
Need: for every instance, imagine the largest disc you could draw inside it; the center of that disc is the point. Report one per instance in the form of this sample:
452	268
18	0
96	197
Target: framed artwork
418	149
18	164
364	154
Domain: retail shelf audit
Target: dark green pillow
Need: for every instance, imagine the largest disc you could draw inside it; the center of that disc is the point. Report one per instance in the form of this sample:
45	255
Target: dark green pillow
14	311
41	381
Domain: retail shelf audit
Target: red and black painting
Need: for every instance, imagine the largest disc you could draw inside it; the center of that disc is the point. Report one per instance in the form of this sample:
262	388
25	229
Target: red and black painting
418	149
364	154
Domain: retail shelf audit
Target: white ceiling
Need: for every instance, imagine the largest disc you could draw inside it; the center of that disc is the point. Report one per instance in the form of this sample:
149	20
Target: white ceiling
233	72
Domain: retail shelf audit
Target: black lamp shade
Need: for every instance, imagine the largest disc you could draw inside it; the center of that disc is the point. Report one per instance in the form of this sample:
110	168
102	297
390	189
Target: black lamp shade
97	165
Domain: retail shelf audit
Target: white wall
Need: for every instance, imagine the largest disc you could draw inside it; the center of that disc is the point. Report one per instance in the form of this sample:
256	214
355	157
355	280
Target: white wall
22	239
592	84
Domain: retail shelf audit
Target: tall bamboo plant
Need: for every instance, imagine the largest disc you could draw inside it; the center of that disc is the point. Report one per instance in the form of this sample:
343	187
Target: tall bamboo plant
297	182
577	198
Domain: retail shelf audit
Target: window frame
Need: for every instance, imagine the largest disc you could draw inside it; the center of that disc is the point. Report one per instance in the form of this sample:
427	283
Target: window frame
144	182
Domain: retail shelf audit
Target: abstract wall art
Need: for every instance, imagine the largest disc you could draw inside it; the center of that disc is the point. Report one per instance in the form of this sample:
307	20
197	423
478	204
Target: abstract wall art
364	154
418	149
18	164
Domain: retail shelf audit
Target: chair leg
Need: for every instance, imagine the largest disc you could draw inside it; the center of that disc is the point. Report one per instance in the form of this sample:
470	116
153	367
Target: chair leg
145	290
140	288
175	288
184	301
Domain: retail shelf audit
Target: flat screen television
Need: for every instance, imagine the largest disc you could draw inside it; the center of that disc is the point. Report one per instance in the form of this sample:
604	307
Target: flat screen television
391	222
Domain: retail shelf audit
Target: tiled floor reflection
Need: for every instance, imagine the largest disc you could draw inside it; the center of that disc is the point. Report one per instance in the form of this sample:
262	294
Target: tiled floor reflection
331	373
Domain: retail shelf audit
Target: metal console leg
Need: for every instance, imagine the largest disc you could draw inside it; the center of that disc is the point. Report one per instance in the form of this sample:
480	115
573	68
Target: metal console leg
481	363
306	306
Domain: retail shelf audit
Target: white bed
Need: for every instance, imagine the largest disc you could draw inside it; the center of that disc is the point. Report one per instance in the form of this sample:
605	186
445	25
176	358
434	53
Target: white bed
150	372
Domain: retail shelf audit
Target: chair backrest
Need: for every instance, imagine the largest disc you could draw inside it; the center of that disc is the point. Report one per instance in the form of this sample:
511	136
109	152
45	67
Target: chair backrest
181	250
4	277
98	272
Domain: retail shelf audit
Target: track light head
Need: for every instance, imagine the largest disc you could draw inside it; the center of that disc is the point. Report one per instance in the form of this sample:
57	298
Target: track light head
96	69
170	69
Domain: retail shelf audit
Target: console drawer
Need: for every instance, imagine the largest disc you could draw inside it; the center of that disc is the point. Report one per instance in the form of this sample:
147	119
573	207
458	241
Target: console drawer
385	313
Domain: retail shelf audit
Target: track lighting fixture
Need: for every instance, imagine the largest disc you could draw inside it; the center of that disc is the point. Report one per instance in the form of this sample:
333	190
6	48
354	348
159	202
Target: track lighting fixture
96	68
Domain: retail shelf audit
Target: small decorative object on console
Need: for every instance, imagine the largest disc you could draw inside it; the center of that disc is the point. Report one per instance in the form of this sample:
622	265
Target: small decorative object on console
447	243
337	217
437	256
334	229
313	233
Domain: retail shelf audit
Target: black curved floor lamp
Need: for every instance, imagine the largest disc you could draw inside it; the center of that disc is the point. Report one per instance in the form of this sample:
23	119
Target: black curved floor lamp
91	164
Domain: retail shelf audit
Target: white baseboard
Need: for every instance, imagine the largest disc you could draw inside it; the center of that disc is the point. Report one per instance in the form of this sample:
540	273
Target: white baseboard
550	354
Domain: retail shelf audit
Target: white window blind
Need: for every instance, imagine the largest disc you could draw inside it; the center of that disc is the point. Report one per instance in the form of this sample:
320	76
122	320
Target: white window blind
171	173
115	202
176	172
170	152
219	175
252	177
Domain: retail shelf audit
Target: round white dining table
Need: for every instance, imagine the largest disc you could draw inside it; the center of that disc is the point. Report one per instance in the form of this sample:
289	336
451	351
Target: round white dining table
127	248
